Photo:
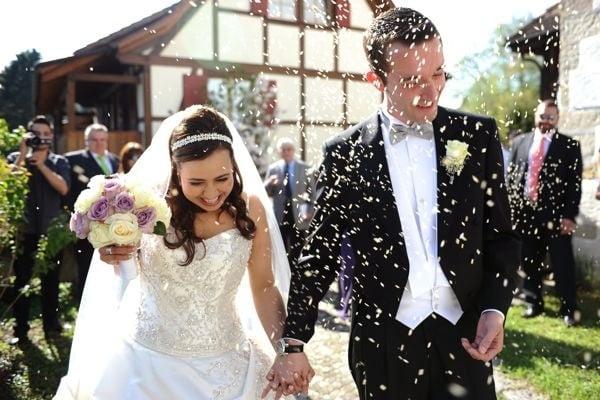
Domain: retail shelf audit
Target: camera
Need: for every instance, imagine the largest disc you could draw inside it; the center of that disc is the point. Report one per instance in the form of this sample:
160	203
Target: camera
34	141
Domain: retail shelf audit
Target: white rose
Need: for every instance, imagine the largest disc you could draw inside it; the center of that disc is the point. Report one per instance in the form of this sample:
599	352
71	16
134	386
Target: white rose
97	183
99	235
123	229
457	150
143	198
86	198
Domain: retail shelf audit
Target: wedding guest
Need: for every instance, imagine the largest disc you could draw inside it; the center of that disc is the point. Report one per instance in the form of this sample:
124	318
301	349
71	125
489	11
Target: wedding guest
86	163
545	191
129	154
288	184
48	183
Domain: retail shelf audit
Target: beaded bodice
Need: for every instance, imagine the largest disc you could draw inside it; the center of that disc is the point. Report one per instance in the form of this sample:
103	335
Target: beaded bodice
190	310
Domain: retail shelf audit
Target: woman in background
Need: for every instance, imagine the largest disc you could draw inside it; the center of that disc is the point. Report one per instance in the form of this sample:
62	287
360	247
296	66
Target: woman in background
130	153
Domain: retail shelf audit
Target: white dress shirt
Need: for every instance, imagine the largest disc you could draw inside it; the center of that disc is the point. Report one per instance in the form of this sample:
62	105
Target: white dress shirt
413	172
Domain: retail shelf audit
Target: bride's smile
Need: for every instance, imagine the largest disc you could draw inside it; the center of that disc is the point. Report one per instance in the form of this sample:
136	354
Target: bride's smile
207	182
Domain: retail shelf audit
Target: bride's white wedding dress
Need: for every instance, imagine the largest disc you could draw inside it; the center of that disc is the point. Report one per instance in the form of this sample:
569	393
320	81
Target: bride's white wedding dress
187	340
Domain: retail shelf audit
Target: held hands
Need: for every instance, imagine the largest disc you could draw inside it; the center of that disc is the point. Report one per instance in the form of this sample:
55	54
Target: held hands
489	339
567	226
290	374
114	254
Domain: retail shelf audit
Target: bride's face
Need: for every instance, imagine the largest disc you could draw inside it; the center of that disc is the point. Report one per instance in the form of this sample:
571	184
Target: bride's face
207	182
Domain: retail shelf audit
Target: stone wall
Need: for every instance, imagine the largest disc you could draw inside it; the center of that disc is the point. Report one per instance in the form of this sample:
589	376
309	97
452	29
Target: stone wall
586	242
579	74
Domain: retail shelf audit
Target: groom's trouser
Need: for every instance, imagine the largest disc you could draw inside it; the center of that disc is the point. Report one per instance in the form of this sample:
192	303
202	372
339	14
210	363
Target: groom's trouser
429	363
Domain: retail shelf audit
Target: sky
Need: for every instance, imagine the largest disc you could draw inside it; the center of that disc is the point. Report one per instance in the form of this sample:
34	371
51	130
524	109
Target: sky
56	28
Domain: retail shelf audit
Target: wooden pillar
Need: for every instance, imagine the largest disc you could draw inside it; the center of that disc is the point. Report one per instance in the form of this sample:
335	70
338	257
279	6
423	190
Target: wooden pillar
300	16
70	104
147	138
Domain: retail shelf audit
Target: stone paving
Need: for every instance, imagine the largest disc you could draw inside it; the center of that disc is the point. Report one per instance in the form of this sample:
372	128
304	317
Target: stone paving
328	355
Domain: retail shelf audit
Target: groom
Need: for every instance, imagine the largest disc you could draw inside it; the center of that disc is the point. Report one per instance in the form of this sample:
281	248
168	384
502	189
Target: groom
420	191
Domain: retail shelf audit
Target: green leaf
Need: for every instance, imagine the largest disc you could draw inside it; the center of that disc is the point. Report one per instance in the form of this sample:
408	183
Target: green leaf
160	229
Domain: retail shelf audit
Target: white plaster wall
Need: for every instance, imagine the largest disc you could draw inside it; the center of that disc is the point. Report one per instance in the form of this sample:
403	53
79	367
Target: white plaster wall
240	38
242	5
324	100
360	14
284	45
195	39
166	84
318	49
316	137
352	56
288	96
363	100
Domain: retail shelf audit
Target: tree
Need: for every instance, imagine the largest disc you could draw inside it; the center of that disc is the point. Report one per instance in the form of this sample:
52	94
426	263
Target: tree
16	88
504	85
251	105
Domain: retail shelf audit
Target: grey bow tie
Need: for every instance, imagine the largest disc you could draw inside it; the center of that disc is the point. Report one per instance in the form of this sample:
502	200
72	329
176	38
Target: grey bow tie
400	132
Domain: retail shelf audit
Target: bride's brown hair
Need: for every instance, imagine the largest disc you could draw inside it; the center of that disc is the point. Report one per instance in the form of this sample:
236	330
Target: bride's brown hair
198	120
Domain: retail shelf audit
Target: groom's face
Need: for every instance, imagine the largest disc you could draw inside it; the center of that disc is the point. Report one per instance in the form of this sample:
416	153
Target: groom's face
415	80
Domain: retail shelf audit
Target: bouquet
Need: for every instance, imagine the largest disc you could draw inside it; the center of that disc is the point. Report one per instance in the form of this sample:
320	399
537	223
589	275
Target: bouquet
117	210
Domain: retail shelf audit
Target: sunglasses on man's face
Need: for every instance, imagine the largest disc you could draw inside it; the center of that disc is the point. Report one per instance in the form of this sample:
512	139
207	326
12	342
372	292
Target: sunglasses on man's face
547	117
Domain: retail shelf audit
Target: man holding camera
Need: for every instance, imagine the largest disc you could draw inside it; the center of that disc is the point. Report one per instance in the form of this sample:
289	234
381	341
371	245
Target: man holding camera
48	183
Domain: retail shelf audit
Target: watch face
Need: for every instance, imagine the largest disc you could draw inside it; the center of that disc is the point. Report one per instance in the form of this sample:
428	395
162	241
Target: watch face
281	345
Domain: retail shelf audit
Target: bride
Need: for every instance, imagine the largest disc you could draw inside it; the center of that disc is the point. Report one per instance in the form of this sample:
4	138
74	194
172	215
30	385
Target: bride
177	331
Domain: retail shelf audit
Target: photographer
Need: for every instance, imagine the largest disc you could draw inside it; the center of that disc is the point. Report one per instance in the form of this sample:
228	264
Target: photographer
48	183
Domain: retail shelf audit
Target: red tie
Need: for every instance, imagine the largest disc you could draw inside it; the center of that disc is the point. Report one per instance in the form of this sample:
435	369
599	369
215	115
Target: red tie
536	167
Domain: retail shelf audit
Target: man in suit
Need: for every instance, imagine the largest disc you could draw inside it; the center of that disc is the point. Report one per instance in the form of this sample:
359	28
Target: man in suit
545	191
420	191
94	160
49	180
288	184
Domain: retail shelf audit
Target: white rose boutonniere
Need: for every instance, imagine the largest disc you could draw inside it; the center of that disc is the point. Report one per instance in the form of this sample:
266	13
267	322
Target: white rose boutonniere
456	154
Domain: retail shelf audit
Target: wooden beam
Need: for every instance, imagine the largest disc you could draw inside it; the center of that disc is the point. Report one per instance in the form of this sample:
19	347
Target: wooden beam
215	25
163	26
70	104
105	78
60	70
221	68
297	23
300	18
147	138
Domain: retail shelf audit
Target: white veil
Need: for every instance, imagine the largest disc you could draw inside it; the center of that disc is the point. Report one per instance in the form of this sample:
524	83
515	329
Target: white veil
105	313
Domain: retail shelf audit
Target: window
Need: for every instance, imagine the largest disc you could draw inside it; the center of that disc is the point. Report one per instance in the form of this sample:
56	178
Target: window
282	9
316	12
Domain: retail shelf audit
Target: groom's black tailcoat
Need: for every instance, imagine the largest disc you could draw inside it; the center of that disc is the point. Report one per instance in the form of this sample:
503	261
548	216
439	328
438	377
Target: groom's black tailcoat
478	252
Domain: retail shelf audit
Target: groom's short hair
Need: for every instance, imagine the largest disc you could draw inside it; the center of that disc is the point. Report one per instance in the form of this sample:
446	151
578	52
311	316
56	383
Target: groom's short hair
403	25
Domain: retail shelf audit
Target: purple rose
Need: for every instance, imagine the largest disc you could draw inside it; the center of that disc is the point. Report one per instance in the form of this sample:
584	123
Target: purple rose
100	210
112	187
146	217
79	224
123	202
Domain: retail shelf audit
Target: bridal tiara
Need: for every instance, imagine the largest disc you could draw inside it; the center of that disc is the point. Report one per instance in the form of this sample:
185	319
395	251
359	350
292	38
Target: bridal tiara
200	137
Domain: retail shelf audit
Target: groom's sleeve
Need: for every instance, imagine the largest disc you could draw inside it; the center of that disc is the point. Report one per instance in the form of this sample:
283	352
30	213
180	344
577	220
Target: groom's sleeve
501	245
318	264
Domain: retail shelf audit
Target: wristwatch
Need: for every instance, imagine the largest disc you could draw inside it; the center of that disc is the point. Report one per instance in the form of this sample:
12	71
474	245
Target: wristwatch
283	347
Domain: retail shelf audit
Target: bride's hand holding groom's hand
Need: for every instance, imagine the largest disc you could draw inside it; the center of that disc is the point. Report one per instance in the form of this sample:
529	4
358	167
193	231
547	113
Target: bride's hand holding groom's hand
290	374
114	254
489	338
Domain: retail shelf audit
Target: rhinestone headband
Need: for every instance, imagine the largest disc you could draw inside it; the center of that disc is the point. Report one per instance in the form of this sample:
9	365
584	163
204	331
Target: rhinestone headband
201	137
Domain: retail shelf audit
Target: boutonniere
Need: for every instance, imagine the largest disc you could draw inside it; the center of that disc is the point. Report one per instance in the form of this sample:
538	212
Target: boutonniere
456	154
